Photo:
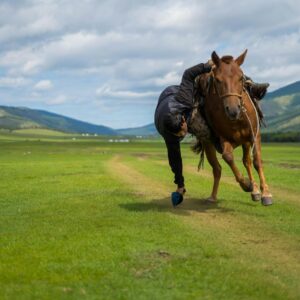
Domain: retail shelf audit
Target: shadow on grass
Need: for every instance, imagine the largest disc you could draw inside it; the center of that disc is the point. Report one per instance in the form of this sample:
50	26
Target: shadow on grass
185	208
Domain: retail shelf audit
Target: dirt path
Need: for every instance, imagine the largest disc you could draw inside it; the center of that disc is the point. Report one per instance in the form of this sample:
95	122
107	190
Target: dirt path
279	194
252	240
141	184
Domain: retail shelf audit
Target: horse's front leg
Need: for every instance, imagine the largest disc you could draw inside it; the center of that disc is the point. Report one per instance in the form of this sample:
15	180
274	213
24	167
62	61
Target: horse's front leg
266	198
211	156
255	194
227	155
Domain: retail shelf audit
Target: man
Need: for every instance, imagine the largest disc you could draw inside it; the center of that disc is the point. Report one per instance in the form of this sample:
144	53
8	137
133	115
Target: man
172	114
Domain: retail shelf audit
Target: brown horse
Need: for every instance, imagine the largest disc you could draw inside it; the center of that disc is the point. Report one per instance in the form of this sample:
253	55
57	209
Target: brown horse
233	119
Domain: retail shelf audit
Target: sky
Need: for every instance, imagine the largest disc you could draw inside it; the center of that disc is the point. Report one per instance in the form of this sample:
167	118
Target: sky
107	61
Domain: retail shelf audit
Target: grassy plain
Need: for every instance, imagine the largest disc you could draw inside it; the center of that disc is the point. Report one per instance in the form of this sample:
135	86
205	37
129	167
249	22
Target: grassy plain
89	219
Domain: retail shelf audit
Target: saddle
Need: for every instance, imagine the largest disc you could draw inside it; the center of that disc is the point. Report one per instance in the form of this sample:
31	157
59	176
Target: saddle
199	125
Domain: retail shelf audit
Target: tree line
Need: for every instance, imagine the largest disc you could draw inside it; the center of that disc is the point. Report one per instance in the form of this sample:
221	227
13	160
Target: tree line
281	137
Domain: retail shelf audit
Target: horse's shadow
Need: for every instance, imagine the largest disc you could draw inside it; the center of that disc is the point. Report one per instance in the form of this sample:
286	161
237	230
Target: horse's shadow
188	206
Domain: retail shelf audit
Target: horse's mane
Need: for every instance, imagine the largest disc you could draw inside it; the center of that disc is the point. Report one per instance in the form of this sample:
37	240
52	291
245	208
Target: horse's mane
227	59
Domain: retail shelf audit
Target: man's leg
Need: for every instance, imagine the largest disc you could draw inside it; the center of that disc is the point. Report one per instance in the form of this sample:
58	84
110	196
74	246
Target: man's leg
175	162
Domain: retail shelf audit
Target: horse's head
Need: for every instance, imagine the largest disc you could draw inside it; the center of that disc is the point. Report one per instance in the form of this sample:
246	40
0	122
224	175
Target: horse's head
228	82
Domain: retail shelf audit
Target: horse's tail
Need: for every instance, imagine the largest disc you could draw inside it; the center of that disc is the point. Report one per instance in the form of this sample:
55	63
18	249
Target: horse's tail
198	148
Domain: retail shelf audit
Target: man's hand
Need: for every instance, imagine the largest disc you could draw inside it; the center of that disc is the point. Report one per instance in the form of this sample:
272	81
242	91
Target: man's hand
210	62
184	129
181	190
208	66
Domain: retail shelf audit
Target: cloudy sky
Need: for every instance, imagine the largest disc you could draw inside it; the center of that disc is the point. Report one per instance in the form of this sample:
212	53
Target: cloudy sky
107	61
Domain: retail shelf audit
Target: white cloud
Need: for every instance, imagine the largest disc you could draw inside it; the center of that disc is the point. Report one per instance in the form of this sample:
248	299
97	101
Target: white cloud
61	99
13	82
43	85
107	92
29	19
126	51
168	79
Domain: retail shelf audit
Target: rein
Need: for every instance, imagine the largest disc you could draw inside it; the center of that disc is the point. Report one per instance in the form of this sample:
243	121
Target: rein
244	110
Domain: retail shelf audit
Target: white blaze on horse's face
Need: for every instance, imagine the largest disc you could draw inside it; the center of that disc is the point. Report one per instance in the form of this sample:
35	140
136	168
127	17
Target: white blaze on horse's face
229	83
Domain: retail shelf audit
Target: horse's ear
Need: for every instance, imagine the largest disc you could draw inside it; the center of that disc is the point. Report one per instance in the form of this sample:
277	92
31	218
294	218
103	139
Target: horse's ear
215	58
241	58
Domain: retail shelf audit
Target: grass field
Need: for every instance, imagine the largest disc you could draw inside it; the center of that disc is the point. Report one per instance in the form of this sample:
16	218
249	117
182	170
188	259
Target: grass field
89	219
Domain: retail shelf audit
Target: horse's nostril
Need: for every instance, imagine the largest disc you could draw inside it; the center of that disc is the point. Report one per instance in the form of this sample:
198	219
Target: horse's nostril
227	108
239	106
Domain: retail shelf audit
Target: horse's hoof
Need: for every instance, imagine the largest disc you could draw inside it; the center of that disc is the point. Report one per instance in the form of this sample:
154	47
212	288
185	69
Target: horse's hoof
266	201
210	200
256	197
247	185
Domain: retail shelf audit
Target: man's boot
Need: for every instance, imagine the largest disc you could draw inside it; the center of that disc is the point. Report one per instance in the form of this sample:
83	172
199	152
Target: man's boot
256	90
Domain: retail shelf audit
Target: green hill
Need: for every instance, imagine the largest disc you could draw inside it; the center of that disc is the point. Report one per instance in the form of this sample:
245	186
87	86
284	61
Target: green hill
14	118
282	109
292	88
143	130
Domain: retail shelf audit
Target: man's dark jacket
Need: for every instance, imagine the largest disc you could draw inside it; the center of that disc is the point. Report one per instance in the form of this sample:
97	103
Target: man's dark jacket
177	100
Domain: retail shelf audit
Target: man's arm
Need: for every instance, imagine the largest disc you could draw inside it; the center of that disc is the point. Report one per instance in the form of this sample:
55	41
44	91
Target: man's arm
175	162
186	90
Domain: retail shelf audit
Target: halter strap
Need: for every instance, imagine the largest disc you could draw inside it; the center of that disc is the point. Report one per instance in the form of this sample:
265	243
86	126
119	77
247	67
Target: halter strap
215	90
231	94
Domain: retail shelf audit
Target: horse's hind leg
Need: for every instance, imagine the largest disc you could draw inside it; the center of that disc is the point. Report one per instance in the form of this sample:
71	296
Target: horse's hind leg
227	155
266	198
255	194
211	156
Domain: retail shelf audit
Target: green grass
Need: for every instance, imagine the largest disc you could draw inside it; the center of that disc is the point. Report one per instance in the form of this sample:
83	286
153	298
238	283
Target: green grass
89	219
40	131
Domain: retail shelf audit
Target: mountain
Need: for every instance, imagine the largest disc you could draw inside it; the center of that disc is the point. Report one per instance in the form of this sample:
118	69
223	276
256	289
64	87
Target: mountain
144	130
21	117
282	109
292	88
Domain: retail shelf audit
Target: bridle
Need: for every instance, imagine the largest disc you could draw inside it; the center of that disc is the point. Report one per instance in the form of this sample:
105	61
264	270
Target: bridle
215	90
231	94
243	108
